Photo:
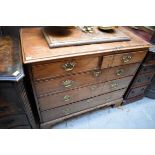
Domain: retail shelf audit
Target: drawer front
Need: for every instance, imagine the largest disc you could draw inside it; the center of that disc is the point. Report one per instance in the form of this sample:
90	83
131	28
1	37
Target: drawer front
136	91
9	103
64	67
121	71
150	57
82	105
133	99
83	79
67	97
68	82
127	58
142	79
12	121
147	69
6	109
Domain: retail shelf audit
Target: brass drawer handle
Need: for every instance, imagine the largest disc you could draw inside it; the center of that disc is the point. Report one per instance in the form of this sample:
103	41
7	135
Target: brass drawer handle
69	66
67	83
66	111
114	85
126	58
97	73
94	87
120	72
67	98
107	99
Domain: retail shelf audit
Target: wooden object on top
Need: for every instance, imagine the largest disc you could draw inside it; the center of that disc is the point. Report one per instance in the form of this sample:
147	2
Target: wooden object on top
73	36
36	49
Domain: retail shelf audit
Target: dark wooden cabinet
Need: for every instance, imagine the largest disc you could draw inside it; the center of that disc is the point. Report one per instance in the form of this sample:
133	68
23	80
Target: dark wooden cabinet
68	81
15	106
146	72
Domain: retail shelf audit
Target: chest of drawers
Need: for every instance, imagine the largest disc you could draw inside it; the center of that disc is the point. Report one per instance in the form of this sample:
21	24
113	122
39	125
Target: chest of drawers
144	75
69	81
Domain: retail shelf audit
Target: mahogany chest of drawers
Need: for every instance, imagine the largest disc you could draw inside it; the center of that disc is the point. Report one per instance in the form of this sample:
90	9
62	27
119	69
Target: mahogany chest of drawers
69	81
144	75
15	108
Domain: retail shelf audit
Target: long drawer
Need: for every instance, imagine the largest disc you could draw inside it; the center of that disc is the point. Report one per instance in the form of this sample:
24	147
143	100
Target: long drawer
74	81
13	120
65	67
127	58
67	97
81	105
147	69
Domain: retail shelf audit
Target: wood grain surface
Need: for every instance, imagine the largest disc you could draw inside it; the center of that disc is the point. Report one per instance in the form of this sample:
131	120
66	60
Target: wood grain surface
35	47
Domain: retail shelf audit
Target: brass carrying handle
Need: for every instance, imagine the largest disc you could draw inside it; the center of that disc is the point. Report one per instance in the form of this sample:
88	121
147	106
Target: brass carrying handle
67	98
114	85
67	83
126	58
69	66
120	72
97	73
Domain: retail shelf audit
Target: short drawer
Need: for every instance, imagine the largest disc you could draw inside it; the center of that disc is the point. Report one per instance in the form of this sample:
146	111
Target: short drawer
69	66
142	79
127	58
74	81
147	69
59	112
55	100
12	121
133	99
136	91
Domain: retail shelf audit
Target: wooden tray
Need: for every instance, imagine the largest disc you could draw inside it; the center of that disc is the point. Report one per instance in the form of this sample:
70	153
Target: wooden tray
71	36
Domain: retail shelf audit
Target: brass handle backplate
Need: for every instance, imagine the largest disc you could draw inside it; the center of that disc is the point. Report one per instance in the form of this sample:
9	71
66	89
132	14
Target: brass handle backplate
94	87
119	72
114	85
66	111
126	58
97	73
67	98
107	99
67	83
69	66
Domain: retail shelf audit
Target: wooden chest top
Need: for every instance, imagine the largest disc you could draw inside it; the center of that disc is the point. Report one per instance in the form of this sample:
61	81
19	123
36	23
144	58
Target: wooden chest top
36	49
